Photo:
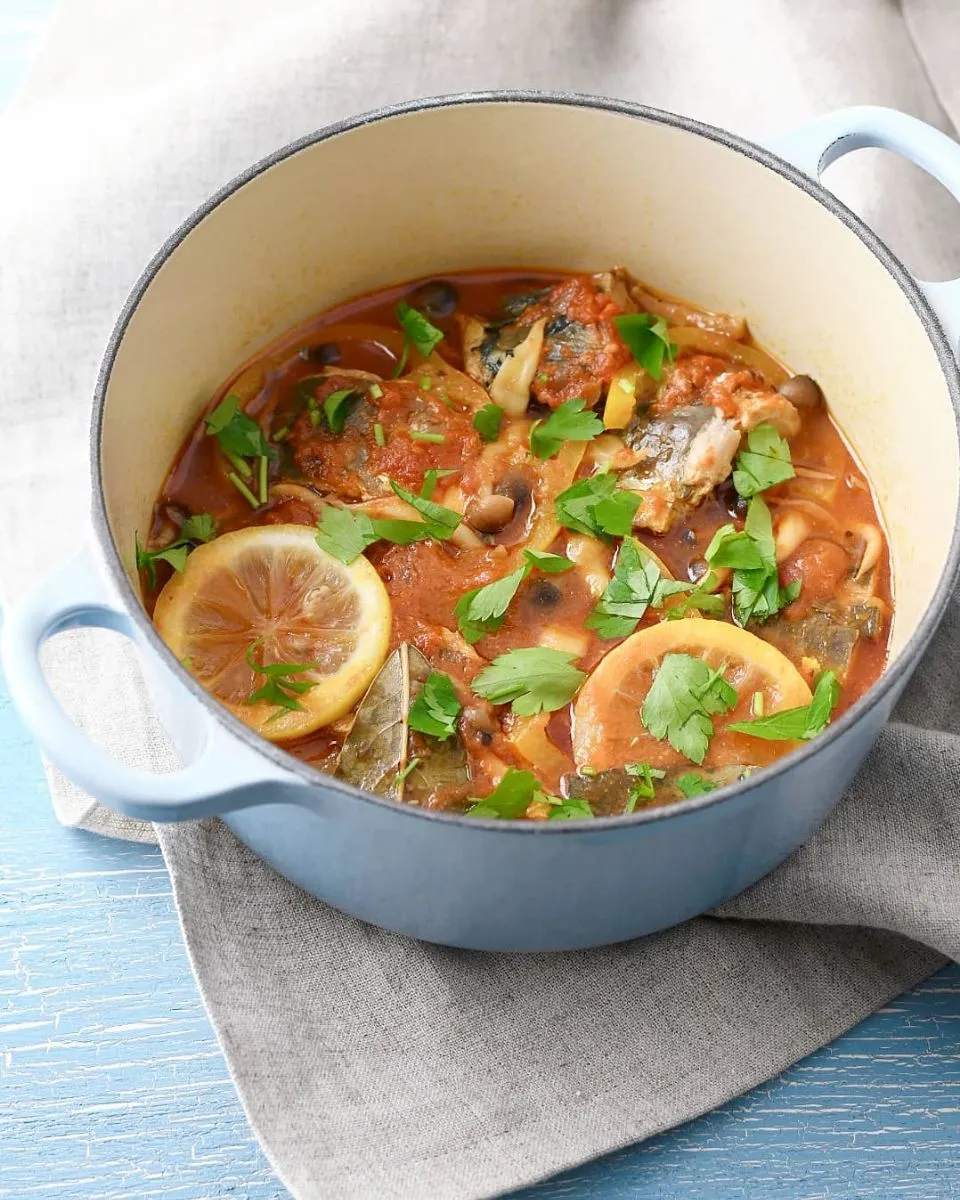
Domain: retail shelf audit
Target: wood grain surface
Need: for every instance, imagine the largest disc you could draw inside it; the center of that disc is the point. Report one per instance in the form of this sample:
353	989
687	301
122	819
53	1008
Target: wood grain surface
112	1084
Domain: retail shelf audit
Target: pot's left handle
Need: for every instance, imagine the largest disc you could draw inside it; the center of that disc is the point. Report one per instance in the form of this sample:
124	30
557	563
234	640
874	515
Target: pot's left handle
815	146
225	775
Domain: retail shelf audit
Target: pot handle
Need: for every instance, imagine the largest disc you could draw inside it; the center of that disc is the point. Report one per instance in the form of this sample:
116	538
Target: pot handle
815	146
226	775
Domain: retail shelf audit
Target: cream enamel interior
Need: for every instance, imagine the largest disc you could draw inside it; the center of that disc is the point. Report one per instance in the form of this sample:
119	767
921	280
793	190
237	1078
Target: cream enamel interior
543	185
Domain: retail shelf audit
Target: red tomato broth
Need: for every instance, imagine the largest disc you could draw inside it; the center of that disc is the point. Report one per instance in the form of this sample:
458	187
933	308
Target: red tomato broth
425	579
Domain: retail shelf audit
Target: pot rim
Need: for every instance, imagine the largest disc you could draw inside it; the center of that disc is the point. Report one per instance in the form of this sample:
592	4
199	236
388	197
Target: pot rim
887	682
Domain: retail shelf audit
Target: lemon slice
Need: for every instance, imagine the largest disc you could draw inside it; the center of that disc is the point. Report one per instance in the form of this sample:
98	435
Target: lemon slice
608	731
273	585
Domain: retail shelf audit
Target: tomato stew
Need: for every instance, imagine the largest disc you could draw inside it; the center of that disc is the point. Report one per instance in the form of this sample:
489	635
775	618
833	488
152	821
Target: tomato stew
575	547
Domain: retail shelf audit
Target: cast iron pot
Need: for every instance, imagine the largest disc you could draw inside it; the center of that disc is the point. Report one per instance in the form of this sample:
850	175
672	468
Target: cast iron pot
702	213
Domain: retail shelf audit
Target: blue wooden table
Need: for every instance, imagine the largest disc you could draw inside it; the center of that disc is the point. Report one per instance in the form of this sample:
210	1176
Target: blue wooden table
112	1085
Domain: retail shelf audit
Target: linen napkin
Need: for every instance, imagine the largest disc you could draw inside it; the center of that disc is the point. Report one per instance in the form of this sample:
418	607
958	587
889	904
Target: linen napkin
371	1065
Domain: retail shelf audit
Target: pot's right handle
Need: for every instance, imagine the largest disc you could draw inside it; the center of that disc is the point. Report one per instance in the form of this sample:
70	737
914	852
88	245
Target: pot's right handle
815	146
226	774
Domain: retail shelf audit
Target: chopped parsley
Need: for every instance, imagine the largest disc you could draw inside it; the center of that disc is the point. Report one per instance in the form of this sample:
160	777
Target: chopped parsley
402	776
430	480
278	688
684	696
345	534
239	436
765	462
535	679
574	809
647	340
643	788
596	506
797	724
440	522
487	421
703	599
417	332
200	527
550	564
436	707
637	585
567	423
336	407
510	799
693	784
751	553
483	610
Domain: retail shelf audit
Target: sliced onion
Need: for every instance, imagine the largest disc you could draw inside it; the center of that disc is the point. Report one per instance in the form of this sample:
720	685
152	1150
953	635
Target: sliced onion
680	312
714	343
457	386
511	384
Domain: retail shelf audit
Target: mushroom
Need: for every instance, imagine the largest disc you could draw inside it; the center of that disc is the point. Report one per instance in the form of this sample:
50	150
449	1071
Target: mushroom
792	529
872	547
801	391
438	298
490	514
511	384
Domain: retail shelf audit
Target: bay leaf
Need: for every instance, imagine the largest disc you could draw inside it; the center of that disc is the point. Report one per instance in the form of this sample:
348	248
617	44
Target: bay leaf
380	743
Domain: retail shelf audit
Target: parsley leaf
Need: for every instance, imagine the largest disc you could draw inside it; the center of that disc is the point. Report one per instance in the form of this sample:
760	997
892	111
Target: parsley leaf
200	527
536	679
417	332
483	610
510	799
684	694
797	724
644	788
751	553
646	338
237	433
703	599
440	522
175	555
567	423
430	480
336	407
595	506
401	532
436	707
278	688
637	585
765	462
550	564
574	809
344	534
693	784
402	776
487	421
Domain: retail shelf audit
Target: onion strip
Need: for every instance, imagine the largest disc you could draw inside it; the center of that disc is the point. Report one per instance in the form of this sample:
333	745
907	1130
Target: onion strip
698	340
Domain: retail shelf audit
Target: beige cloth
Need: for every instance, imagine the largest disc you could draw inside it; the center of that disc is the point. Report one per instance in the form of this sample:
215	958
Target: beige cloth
371	1065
